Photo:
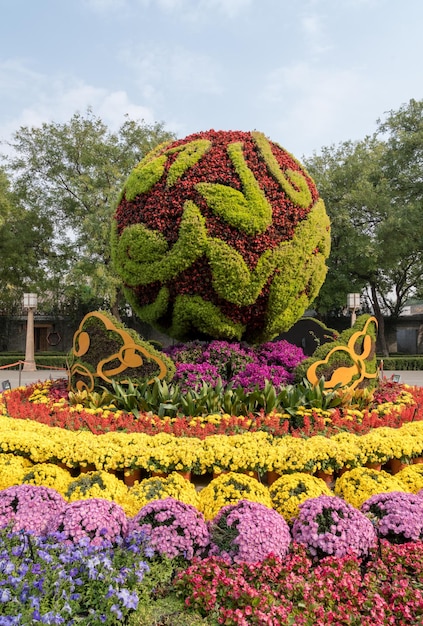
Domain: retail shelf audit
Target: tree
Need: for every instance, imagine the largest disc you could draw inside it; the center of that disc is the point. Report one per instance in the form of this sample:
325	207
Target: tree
71	174
373	194
24	237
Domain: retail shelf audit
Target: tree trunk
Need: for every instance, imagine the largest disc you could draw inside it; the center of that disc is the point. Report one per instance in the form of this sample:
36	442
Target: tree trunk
380	321
114	308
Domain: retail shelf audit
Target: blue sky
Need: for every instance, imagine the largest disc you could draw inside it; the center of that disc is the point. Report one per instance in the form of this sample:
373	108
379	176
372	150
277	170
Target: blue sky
307	73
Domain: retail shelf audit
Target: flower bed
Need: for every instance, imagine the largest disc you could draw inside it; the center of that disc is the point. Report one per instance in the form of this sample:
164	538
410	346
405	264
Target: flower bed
88	457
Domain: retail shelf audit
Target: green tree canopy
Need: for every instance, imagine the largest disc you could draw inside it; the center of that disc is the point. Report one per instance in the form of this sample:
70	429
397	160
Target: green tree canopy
374	197
24	237
70	175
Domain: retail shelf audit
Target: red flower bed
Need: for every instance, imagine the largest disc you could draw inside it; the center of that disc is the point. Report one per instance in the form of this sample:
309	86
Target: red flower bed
386	589
18	406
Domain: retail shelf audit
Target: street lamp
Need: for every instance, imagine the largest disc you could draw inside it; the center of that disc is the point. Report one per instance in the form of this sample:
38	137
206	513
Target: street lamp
353	304
30	303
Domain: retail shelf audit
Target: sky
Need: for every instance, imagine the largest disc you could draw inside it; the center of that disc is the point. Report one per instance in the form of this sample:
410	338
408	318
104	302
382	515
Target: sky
307	73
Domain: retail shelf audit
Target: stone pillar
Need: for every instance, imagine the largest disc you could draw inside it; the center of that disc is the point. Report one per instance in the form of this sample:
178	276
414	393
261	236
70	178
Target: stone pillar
29	365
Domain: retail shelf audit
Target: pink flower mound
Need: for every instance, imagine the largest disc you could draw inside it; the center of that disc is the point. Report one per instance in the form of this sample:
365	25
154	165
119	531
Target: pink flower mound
173	528
99	520
247	532
29	507
398	516
329	526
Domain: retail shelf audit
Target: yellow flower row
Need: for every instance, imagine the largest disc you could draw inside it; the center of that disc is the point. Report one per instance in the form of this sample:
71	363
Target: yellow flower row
285	495
249	451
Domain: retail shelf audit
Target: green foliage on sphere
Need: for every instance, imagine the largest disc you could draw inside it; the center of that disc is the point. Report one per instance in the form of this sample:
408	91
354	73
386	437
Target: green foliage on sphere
221	234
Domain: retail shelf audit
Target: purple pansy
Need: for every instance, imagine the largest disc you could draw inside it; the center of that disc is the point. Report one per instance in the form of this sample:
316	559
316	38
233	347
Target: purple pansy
329	526
173	528
248	532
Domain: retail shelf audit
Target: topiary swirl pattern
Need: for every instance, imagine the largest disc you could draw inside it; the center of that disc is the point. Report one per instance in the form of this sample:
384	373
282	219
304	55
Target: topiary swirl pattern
221	234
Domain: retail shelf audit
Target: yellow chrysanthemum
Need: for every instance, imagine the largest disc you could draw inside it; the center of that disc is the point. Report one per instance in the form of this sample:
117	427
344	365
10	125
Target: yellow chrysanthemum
291	454
290	490
101	484
12	470
235	453
48	475
349	453
359	484
411	477
157	488
230	488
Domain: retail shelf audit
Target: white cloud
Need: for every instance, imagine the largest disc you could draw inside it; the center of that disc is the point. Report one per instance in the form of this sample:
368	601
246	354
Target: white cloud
315	102
106	6
44	99
158	69
187	10
314	32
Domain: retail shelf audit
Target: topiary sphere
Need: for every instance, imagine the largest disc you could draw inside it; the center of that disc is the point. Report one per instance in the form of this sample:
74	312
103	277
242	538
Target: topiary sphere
220	235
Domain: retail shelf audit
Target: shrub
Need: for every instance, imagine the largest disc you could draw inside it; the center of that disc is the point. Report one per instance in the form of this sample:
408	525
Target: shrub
174	528
328	526
97	520
29	507
247	532
398	516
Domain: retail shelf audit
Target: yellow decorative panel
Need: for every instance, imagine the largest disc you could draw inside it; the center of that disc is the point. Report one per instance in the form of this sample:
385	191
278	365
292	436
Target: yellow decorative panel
358	350
97	330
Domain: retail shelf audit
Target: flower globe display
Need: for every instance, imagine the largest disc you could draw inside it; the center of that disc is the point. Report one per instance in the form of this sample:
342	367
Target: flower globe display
96	519
221	234
397	516
173	528
29	507
329	526
247	532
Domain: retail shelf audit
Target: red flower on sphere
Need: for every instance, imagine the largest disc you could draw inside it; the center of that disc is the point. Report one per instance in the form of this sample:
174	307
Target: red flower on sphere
220	234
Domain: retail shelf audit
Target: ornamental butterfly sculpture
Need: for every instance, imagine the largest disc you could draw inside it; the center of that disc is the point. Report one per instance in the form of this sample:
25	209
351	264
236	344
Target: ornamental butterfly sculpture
103	350
221	234
358	356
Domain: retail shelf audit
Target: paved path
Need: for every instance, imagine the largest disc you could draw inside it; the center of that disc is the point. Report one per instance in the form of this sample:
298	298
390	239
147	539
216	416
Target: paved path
16	378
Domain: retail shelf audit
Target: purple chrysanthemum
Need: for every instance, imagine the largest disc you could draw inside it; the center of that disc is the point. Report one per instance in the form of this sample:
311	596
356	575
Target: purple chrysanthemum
280	353
329	526
238	364
248	532
173	527
397	516
255	375
29	507
99	520
192	376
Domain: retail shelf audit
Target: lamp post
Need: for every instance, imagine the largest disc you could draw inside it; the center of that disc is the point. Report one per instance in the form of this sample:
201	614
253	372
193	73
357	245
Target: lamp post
353	304
30	303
